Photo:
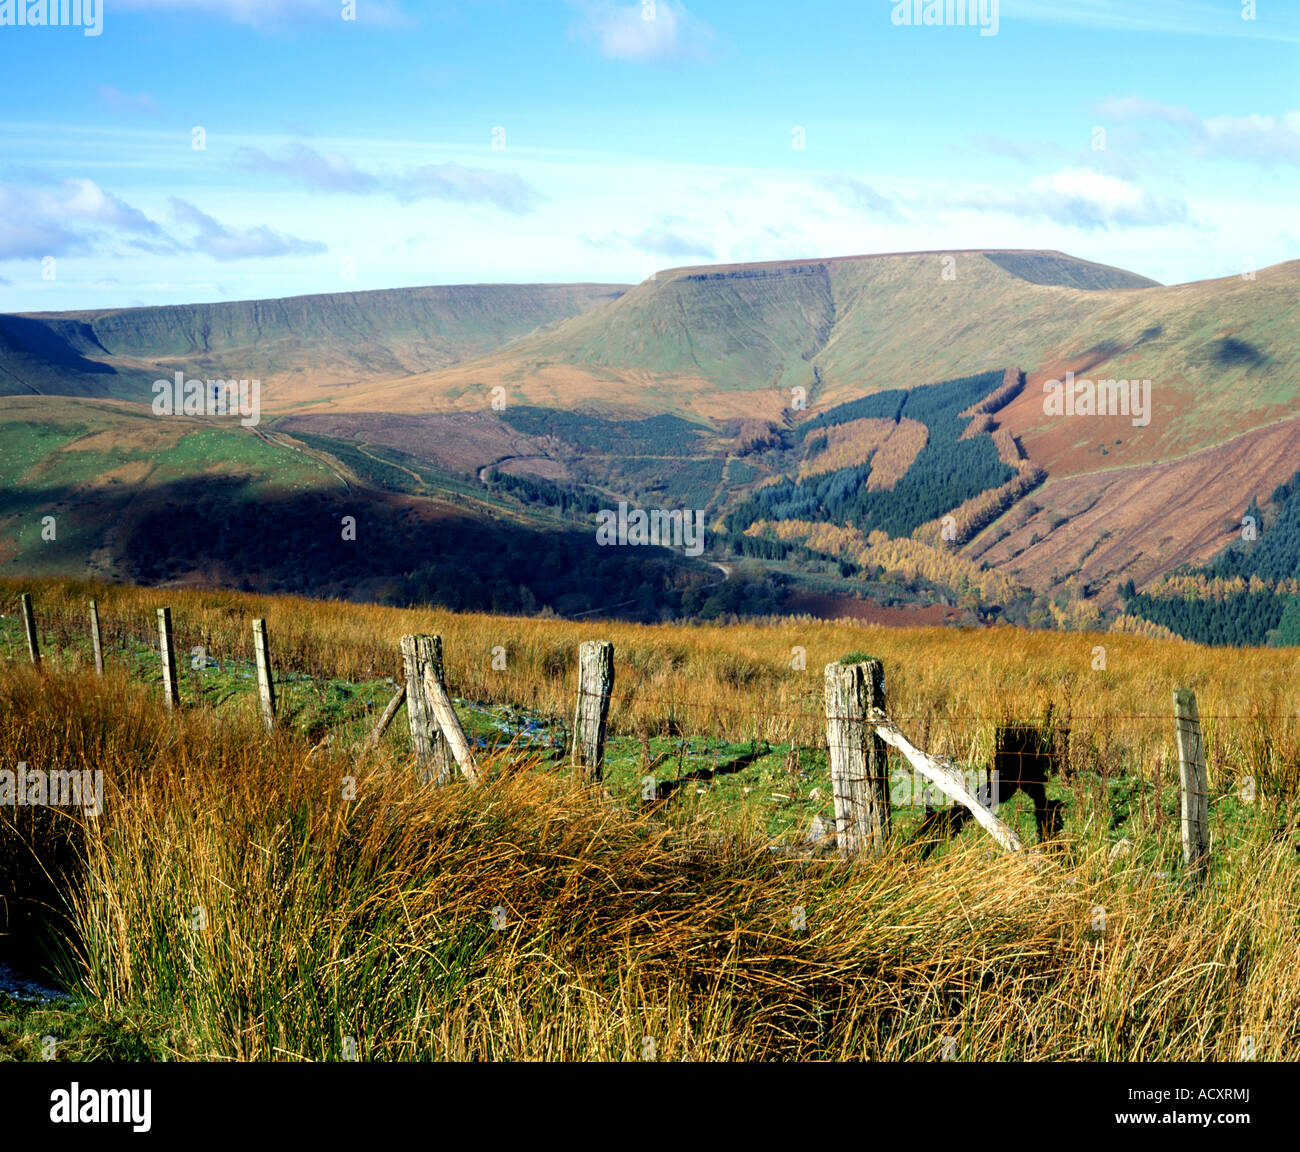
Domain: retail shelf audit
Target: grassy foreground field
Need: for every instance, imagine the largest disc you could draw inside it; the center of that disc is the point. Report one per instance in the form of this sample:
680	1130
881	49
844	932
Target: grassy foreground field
252	897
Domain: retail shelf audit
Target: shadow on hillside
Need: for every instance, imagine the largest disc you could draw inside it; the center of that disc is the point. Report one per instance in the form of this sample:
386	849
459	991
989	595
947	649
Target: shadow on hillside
38	338
1229	352
363	546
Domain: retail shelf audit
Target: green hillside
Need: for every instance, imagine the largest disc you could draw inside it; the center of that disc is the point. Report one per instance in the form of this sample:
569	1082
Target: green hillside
106	489
1222	354
346	335
838	326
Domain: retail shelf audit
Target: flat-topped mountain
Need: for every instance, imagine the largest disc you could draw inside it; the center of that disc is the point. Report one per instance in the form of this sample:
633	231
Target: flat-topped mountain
301	342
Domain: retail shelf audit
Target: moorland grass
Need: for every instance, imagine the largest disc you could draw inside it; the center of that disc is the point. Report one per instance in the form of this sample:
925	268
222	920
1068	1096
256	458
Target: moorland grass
246	896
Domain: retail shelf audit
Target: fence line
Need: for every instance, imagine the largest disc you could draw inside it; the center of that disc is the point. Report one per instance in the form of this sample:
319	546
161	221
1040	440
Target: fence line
854	703
635	695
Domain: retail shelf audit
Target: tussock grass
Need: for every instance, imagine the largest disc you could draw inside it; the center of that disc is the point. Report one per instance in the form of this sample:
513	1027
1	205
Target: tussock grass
245	897
760	680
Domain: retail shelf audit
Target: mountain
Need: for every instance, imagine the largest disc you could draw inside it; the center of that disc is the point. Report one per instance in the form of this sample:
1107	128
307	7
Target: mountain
298	345
702	385
735	339
1121	500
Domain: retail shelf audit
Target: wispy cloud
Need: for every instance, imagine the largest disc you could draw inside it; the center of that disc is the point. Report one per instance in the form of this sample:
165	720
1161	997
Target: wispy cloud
1077	197
667	238
452	181
644	31
1140	108
120	103
1028	151
319	171
1258	138
860	196
79	218
1165	17
331	172
1267	139
279	15
224	243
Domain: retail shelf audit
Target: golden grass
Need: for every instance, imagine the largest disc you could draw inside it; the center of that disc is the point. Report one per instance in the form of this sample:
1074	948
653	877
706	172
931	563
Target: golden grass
245	898
764	679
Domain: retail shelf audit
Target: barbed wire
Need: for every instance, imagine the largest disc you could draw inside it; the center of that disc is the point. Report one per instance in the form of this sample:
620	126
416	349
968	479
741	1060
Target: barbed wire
122	632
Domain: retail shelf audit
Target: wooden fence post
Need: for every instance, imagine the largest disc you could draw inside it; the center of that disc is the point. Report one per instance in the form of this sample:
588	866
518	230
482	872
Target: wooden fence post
433	761
941	772
167	650
859	763
96	642
29	626
595	683
386	719
265	685
435	692
1193	783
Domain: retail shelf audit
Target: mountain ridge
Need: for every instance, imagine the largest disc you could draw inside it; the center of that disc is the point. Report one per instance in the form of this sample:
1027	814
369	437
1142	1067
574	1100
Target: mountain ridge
388	331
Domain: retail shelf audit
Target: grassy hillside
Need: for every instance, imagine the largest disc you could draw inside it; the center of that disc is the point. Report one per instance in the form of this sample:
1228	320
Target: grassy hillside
298	343
97	466
102	489
1119	501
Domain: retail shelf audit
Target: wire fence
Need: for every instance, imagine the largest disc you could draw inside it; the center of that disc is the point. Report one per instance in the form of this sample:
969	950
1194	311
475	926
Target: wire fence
1083	744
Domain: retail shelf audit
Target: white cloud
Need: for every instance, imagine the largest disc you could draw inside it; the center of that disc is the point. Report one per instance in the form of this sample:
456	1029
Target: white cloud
1077	197
332	172
224	243
1260	138
1268	139
319	171
860	196
665	238
647	30
1140	108
452	181
74	217
279	14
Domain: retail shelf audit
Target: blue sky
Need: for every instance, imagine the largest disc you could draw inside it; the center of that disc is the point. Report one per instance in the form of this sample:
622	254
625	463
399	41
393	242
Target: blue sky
561	140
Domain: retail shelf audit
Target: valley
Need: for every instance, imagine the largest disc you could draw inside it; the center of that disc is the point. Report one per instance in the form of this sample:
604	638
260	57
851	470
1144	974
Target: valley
797	404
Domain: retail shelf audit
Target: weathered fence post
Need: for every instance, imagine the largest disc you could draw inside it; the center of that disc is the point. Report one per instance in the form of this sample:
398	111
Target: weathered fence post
859	763
265	685
386	719
432	759
595	684
29	626
435	692
167	650
95	642
1193	783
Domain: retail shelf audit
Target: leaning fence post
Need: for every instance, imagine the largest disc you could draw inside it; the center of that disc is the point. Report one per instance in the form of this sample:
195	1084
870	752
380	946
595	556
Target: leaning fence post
859	763
595	683
1193	783
95	641
29	626
432	759
387	718
265	685
435	692
167	651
